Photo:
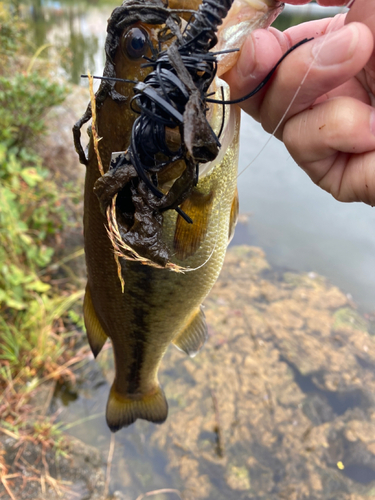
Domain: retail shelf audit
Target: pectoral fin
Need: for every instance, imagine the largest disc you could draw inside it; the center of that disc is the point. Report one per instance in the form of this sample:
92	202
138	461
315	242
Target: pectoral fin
124	410
95	333
193	338
235	208
188	237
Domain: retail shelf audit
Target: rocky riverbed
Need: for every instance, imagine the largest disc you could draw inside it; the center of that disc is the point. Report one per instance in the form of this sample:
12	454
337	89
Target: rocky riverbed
280	402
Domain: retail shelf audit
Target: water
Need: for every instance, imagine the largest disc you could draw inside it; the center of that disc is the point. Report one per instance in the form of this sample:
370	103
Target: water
293	397
76	32
300	226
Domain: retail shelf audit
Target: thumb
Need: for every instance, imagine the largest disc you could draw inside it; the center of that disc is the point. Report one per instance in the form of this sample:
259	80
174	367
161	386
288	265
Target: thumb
259	54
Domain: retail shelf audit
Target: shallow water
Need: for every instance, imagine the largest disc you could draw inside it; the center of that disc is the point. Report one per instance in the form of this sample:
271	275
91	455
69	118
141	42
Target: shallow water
279	403
289	362
300	226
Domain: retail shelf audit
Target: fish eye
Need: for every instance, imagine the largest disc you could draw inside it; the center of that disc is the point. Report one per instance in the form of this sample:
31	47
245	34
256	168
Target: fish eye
135	43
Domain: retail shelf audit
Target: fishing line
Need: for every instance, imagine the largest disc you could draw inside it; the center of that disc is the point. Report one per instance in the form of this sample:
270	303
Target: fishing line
330	30
223	114
265	80
188	269
283	116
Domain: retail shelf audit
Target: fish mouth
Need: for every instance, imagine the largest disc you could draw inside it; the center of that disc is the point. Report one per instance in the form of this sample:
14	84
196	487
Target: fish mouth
244	17
222	120
236	26
258	14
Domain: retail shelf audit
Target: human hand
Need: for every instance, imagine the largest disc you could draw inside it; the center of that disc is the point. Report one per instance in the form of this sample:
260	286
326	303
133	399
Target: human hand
329	128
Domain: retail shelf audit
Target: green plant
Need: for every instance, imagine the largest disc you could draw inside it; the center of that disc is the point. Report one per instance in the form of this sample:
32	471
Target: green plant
36	315
30	212
35	346
24	100
12	33
32	215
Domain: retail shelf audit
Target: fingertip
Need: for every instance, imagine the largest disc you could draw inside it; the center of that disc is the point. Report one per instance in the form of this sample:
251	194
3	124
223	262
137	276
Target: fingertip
259	54
350	45
268	47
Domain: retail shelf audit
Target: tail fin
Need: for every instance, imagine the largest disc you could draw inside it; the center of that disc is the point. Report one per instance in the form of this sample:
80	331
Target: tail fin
123	411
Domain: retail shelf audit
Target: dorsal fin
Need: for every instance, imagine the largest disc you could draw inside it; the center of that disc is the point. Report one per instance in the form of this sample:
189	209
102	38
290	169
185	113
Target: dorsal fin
194	336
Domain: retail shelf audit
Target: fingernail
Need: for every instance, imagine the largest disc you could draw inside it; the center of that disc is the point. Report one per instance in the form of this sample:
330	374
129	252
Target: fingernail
336	48
372	121
246	63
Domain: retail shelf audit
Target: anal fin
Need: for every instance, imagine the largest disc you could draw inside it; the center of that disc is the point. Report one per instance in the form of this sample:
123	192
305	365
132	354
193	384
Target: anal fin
95	333
123	410
194	336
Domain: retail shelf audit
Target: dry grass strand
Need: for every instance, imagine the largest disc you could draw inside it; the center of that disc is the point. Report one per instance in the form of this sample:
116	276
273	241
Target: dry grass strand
95	135
125	251
157	492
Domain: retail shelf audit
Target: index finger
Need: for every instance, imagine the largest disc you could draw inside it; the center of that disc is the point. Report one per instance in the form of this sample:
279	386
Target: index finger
262	50
313	71
364	11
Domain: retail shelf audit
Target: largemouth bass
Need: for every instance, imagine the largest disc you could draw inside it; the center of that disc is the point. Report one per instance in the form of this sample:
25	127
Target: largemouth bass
157	306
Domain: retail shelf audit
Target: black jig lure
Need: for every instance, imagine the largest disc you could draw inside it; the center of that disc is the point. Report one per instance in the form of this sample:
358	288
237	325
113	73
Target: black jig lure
173	96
